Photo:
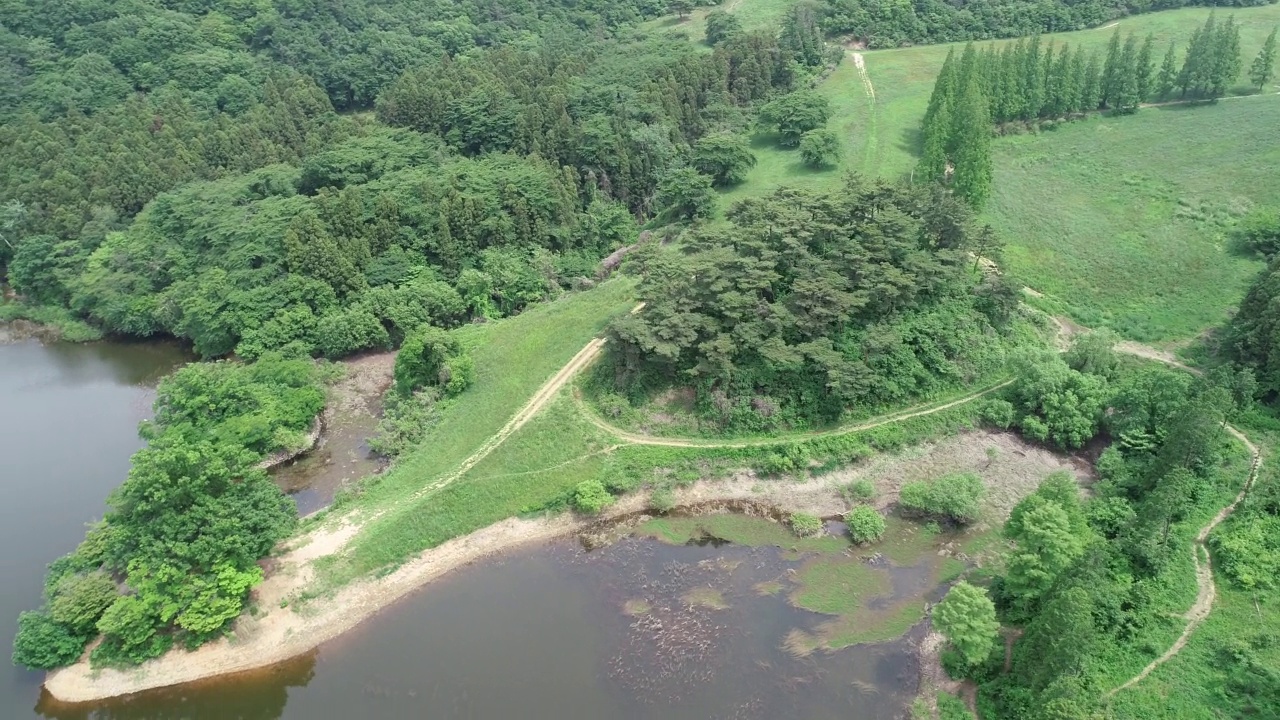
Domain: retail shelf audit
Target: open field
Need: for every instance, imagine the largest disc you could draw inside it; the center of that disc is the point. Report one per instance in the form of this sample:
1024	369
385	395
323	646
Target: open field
1101	215
752	14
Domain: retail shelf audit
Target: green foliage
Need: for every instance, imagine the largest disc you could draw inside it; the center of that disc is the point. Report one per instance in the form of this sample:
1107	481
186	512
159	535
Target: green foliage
43	644
77	601
795	114
590	497
1259	232
859	490
662	500
955	497
725	157
804	524
345	332
405	421
1263	67
967	617
432	358
865	524
788	317
1248	550
1046	545
686	194
999	413
1058	404
721	26
820	148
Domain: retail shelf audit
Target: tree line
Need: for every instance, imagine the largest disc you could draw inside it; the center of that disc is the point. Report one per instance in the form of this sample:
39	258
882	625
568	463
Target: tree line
890	23
1025	82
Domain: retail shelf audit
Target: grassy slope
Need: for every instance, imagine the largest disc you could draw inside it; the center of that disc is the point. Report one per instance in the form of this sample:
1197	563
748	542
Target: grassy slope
514	357
1100	214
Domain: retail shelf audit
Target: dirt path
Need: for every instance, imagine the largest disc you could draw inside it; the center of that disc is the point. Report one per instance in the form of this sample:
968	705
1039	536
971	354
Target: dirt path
861	64
1208	591
640	439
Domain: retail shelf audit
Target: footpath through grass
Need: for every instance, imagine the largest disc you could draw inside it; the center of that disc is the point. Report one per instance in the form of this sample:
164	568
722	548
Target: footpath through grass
513	357
1120	220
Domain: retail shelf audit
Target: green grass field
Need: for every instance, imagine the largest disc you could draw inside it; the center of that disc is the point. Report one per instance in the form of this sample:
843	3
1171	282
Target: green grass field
1119	220
752	14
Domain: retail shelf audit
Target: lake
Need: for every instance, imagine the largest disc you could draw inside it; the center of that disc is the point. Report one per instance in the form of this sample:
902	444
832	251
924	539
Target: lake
639	629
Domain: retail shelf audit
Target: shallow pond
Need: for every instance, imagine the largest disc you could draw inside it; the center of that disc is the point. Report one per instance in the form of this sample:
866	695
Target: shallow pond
638	629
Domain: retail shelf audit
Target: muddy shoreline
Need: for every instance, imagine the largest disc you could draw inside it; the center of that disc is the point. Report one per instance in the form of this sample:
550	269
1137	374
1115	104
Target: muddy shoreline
286	629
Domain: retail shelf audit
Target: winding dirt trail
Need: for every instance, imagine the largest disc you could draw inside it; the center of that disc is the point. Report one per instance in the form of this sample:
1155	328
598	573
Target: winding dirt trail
861	64
907	414
1207	591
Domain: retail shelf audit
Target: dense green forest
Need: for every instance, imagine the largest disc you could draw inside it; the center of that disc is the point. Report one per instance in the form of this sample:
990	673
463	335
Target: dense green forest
809	305
185	531
164	203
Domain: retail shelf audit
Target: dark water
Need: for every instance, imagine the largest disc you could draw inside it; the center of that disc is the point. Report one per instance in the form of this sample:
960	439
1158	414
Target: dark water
68	424
543	632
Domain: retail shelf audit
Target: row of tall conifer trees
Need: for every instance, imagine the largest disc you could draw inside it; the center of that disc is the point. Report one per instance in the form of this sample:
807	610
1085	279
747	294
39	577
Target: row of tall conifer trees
1028	80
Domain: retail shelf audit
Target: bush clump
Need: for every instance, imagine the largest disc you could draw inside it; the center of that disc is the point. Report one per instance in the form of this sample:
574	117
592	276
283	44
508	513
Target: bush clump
662	500
865	524
955	497
43	644
590	497
859	491
805	525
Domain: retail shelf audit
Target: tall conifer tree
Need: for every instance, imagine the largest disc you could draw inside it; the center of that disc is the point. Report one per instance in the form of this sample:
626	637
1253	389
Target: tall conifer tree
1264	66
1167	78
972	177
1145	69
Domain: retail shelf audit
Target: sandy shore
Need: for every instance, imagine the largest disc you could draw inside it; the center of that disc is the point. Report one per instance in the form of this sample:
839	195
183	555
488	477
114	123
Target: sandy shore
281	633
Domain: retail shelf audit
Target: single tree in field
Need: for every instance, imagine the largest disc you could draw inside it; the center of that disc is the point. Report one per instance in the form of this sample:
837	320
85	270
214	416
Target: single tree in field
681	8
820	148
1167	78
967	617
795	114
1264	66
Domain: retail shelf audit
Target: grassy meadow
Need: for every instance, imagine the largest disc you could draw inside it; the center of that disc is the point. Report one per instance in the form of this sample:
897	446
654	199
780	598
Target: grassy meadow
1120	221
751	13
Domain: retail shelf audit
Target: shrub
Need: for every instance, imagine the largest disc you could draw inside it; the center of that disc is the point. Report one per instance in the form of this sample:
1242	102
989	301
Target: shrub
43	644
405	422
342	333
954	496
590	497
865	524
429	357
999	413
662	500
805	525
820	148
859	490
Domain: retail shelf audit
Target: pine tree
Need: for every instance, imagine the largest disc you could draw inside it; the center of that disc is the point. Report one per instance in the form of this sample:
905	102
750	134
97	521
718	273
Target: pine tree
1192	61
1145	69
1124	92
1110	71
937	131
1264	66
1091	85
1073	95
1167	78
1032	80
1226	58
972	177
